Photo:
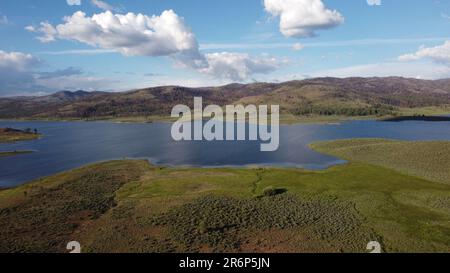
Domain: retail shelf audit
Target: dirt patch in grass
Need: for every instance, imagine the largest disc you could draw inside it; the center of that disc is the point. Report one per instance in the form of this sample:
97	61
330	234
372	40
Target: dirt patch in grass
284	241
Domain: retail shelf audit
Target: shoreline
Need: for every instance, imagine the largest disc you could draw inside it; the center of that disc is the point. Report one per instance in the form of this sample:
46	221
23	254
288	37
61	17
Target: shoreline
247	167
285	119
418	118
332	120
340	161
14	153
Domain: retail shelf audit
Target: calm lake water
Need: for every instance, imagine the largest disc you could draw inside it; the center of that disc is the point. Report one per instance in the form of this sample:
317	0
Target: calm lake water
67	145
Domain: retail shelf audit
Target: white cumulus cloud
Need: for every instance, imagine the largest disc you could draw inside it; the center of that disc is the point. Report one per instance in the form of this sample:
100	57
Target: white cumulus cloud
374	2
439	54
164	35
47	31
131	34
15	71
17	60
302	18
73	2
238	66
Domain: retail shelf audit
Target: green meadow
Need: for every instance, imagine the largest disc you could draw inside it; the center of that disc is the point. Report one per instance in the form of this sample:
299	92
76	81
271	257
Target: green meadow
396	193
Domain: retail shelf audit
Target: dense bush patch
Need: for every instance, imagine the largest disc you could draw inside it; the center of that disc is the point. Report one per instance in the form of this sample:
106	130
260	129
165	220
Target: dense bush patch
217	221
47	216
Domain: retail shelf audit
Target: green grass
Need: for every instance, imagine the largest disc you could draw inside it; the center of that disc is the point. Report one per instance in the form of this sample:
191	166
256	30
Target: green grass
429	160
428	111
131	206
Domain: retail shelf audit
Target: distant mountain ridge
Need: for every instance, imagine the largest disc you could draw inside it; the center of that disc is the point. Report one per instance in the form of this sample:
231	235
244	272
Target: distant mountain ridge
319	96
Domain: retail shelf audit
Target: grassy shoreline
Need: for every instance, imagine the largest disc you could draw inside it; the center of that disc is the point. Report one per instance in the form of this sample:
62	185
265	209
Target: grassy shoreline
285	119
160	209
14	153
425	159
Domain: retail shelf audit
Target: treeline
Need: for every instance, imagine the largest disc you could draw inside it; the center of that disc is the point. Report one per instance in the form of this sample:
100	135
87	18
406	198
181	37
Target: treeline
376	110
142	109
117	109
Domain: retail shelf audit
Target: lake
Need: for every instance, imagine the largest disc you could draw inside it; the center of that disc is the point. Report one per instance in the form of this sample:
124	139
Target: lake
68	145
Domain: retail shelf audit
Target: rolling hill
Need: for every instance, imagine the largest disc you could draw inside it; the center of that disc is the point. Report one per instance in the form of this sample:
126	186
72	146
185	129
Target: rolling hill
355	97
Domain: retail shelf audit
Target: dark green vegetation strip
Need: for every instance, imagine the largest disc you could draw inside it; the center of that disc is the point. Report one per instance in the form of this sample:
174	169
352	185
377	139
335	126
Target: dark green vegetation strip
47	216
419	117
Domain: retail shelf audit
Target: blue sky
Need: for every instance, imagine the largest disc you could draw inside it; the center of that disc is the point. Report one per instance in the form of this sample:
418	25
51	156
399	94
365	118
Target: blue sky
202	43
